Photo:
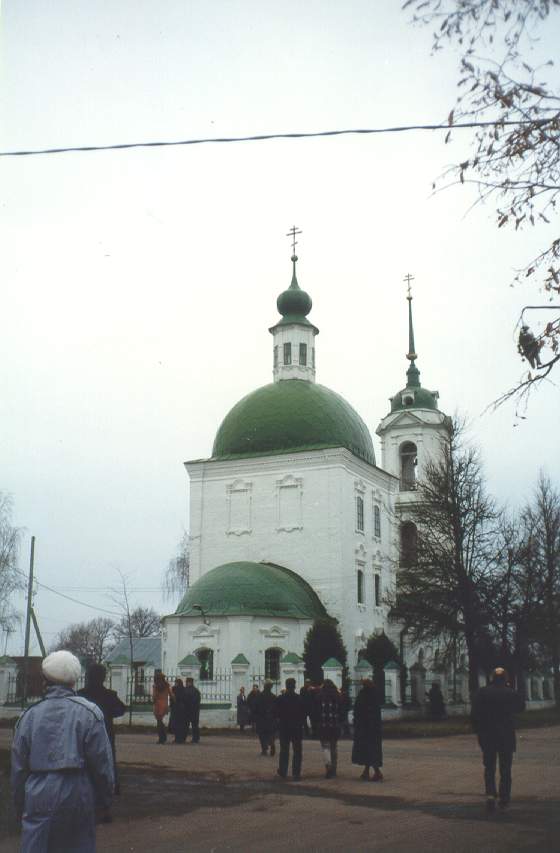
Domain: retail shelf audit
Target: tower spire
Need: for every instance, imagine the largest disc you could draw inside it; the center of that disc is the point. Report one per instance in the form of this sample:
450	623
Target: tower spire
412	374
292	233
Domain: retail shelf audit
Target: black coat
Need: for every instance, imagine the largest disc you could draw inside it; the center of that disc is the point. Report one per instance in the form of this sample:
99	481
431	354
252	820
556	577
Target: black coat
243	710
493	716
264	712
289	710
108	702
191	699
329	706
367	748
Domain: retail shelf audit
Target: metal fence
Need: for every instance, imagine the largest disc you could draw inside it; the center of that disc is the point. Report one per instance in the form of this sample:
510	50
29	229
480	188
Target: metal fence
214	691
35	688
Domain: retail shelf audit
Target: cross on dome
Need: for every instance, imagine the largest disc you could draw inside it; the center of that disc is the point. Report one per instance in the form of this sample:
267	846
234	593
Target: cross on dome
294	230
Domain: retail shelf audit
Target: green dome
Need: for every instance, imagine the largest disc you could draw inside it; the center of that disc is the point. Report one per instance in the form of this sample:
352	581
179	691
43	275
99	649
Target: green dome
294	302
252	589
289	416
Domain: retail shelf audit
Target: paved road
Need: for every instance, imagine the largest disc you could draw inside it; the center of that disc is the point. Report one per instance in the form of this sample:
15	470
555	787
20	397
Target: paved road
222	795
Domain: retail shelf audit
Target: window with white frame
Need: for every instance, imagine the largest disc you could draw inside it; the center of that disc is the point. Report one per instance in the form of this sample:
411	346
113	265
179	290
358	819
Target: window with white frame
303	354
287	353
359	513
360	586
376	522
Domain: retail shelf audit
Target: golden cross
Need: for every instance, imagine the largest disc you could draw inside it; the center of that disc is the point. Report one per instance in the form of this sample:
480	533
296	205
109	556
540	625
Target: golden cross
292	233
408	278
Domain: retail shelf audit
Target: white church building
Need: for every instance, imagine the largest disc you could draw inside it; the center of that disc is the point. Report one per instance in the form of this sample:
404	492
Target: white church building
293	518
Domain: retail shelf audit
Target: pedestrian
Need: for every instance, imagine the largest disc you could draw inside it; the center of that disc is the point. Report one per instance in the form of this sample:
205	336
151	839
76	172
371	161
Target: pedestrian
161	696
493	719
111	707
251	702
178	712
345	708
329	705
243	712
437	703
264	718
192	707
289	712
62	764
367	747
306	695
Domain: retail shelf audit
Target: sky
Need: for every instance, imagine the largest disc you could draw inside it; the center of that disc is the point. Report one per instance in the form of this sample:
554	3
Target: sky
138	286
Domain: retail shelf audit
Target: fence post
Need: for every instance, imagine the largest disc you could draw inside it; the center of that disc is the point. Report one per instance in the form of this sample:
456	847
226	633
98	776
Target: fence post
392	683
8	670
119	681
239	670
332	669
189	667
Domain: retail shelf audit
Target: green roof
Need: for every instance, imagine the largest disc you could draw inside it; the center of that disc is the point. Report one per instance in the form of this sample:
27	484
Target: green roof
240	658
291	657
391	665
189	660
364	664
332	663
252	589
292	415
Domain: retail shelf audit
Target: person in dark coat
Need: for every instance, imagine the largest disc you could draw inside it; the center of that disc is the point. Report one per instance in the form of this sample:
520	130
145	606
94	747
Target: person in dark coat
329	705
243	712
251	702
437	704
289	712
493	719
264	718
345	708
367	747
192	700
178	714
109	704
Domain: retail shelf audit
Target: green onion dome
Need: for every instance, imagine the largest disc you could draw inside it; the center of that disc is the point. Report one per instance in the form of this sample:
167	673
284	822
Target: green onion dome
251	589
288	416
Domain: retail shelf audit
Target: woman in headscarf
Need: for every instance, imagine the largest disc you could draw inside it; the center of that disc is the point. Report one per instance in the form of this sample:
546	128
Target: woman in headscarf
367	748
161	695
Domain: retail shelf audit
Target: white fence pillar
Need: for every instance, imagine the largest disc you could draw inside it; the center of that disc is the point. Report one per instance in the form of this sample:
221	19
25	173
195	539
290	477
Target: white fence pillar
8	671
393	683
239	669
189	667
332	668
119	681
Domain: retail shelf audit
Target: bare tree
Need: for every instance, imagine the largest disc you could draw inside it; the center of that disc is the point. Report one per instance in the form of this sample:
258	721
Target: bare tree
90	641
10	579
515	157
176	577
121	597
144	622
445	571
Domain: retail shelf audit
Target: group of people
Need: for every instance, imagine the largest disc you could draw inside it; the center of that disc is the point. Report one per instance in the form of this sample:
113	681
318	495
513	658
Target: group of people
182	703
63	752
323	711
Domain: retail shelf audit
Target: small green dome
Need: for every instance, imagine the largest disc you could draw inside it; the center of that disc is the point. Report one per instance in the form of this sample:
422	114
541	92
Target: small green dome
294	302
252	589
289	416
414	397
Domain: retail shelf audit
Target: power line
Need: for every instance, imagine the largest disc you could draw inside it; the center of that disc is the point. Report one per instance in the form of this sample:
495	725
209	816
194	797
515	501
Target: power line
69	597
266	136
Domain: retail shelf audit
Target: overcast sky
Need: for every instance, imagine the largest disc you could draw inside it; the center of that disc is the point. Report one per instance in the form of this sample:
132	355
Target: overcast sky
138	286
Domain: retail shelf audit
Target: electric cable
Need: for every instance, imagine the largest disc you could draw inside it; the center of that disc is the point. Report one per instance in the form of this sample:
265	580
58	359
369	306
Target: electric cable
261	137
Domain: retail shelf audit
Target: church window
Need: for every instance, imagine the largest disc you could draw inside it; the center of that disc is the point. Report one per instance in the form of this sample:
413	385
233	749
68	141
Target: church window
360	590
360	513
408	460
409	544
287	353
376	522
272	658
206	661
303	354
276	356
377	588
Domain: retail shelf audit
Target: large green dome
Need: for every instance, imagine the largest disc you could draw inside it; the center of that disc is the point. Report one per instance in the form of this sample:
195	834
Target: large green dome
251	589
288	416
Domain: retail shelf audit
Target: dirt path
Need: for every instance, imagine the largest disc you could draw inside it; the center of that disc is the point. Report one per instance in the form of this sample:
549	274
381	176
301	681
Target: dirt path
221	795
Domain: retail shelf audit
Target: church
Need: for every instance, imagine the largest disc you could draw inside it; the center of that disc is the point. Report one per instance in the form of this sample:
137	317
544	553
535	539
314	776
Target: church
293	518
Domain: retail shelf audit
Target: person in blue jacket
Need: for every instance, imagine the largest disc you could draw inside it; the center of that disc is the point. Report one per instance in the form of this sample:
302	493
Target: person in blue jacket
62	764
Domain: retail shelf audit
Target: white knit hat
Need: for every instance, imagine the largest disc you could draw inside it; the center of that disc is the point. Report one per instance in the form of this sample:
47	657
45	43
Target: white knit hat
62	668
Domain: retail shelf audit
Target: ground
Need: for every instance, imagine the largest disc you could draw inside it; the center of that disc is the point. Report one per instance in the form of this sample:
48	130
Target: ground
222	795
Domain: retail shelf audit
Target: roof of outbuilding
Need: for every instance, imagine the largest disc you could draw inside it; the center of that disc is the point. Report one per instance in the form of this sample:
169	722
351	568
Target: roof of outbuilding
144	650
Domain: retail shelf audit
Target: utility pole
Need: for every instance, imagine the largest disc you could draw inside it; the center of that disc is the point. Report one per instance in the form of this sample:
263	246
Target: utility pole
28	623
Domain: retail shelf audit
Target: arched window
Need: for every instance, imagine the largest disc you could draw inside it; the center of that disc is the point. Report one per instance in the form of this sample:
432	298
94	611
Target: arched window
206	660
408	459
272	663
360	576
376	522
359	513
377	589
409	544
